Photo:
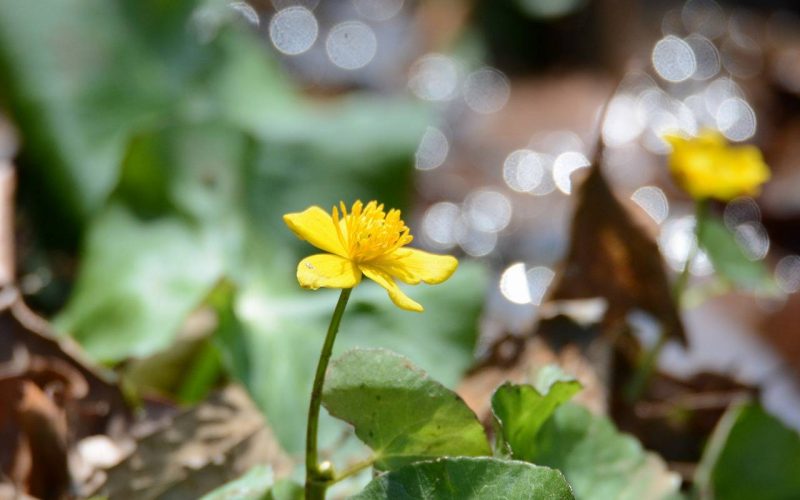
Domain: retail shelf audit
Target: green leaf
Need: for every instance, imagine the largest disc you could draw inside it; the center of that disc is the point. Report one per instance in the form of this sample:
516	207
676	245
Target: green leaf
229	337
598	461
77	106
129	65
355	149
464	478
521	410
398	411
750	455
138	282
284	329
728	258
195	169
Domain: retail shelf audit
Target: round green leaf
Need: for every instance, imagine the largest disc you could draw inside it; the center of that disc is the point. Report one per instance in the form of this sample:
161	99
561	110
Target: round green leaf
398	411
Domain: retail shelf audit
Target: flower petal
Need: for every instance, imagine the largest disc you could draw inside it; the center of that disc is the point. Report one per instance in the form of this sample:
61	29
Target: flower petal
400	299
411	266
315	226
329	271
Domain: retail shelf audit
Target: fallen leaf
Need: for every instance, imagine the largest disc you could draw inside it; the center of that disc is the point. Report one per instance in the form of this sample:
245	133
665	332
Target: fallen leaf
611	257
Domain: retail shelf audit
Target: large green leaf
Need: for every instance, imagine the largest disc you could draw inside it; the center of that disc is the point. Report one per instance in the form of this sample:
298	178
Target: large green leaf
465	478
357	149
80	79
600	462
751	455
195	169
138	282
521	410
398	411
284	329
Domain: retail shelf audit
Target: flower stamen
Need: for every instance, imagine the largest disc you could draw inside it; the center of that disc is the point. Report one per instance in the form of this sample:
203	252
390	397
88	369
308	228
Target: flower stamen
368	232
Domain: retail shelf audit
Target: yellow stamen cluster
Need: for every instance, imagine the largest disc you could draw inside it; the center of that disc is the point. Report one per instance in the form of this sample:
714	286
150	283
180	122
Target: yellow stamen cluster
367	232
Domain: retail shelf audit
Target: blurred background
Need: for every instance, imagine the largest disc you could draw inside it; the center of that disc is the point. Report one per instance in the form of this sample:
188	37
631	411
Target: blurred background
158	143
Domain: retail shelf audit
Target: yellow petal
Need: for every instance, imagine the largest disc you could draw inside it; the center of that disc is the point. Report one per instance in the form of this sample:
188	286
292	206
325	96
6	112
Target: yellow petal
708	167
411	266
315	226
329	271
400	299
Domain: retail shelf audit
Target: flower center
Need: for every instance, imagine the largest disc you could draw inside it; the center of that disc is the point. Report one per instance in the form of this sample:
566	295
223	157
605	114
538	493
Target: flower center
367	232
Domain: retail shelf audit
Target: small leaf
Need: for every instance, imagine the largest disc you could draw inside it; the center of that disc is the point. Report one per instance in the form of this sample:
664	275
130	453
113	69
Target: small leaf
521	410
728	257
463	478
600	462
398	411
751	455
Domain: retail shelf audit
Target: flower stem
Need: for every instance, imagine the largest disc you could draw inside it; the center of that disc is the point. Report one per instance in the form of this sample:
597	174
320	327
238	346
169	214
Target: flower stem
701	212
649	362
316	480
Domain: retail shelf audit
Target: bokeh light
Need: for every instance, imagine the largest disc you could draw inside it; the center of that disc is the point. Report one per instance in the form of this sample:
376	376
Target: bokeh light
706	57
522	286
740	211
488	211
351	45
486	90
432	150
705	17
434	77
677	242
439	224
752	237
673	59
653	201
293	30
564	165
247	12
736	119
787	274
514	284
523	170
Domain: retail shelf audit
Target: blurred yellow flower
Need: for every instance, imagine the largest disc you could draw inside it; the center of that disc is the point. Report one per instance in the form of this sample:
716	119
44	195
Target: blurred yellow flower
708	167
366	240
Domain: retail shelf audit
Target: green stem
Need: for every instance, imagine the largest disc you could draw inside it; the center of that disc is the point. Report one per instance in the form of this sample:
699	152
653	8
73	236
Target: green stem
316	480
354	469
650	361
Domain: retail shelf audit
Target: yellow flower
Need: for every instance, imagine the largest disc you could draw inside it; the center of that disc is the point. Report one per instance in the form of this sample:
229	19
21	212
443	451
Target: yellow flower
708	167
367	240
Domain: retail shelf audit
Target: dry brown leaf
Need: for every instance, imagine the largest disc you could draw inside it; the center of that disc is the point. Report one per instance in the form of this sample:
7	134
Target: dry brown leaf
196	451
57	399
611	257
